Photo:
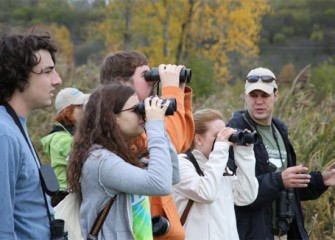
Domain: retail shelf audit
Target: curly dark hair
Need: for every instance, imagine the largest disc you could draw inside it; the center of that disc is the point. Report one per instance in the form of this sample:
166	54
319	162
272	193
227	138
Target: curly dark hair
18	58
120	66
98	125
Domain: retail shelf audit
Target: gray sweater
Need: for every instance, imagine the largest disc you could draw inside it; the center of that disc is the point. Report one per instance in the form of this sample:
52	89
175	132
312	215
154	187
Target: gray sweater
105	174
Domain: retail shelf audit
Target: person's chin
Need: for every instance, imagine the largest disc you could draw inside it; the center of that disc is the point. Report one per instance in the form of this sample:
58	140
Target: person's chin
46	103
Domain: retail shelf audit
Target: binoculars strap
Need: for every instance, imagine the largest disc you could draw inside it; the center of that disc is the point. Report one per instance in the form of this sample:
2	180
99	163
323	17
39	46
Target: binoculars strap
13	114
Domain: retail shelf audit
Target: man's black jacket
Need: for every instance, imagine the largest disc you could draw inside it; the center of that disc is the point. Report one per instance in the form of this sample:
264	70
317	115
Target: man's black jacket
255	220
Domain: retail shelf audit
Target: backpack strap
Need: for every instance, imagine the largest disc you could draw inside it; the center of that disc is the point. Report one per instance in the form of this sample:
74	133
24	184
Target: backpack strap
93	235
190	202
194	162
186	211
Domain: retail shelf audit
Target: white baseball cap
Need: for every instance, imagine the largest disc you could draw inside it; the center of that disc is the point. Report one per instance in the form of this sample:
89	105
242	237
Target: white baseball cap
69	96
258	83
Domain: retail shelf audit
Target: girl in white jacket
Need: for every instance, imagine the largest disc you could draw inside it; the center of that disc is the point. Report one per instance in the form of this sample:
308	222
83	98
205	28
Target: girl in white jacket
212	214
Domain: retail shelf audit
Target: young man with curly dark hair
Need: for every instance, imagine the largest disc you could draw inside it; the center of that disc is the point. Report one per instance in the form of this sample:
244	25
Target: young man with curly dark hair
27	82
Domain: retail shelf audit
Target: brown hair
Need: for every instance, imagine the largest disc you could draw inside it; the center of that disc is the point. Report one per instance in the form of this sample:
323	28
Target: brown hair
201	118
121	66
66	116
99	126
18	58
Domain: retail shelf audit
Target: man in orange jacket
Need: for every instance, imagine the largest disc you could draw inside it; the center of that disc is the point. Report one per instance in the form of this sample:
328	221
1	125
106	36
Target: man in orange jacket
129	67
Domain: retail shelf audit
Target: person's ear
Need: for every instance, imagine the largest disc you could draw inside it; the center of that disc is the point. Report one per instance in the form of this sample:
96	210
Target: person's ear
276	95
197	139
128	82
125	83
65	110
117	117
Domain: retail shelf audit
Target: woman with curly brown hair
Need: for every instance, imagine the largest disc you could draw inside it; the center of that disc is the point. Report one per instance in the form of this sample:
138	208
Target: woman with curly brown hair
107	161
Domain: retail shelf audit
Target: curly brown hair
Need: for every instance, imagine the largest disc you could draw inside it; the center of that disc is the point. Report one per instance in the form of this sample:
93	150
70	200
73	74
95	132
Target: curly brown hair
99	126
18	58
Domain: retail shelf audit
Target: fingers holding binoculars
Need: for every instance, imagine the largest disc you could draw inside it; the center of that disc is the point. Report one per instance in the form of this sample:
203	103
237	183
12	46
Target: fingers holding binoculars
154	110
169	74
224	134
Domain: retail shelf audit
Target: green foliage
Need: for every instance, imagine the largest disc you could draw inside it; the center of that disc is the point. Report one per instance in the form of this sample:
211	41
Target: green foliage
323	77
202	77
279	38
299	32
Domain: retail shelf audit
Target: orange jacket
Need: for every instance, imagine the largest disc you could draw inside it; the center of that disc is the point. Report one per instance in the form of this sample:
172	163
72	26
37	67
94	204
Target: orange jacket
180	125
180	128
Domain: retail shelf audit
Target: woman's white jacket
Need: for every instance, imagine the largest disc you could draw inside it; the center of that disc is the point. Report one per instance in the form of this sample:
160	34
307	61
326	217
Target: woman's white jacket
212	215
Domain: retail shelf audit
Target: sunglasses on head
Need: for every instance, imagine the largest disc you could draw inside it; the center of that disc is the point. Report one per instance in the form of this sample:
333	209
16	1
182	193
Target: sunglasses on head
265	78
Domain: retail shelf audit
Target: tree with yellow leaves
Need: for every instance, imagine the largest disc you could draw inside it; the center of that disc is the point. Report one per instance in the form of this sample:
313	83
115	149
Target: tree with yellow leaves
173	31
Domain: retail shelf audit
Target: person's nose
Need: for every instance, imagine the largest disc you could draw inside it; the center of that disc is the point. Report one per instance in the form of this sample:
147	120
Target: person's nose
56	81
259	100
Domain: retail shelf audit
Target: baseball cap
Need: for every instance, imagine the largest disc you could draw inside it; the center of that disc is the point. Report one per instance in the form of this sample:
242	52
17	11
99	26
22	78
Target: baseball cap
69	96
267	87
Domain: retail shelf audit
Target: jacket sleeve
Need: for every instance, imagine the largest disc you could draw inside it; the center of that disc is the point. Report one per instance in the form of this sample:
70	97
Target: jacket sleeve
245	185
180	126
315	188
203	189
8	174
174	162
155	180
189	119
270	185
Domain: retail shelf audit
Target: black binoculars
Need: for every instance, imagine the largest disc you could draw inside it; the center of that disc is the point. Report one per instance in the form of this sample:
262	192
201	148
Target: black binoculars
169	111
285	204
285	211
244	137
153	75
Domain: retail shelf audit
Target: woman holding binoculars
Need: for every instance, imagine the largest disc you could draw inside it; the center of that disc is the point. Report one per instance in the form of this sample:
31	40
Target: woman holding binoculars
108	161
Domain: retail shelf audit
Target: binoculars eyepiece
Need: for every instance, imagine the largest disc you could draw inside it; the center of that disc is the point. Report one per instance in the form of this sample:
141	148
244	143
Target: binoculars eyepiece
170	111
244	137
153	75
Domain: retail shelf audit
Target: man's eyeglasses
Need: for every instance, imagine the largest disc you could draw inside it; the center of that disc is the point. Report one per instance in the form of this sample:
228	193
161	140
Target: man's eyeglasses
265	78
